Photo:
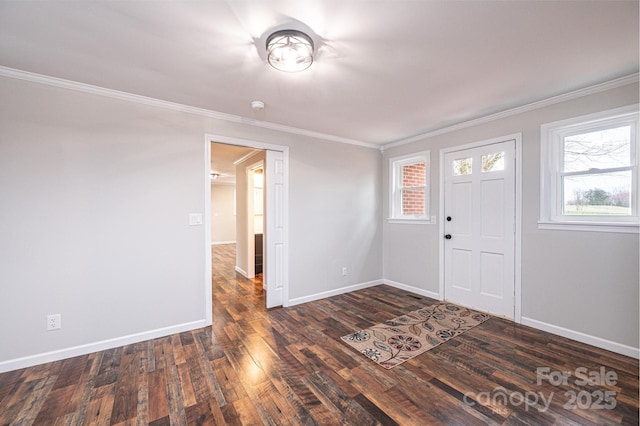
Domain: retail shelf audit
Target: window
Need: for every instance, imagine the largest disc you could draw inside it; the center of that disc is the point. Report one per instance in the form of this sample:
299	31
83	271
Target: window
463	166
409	184
493	162
590	172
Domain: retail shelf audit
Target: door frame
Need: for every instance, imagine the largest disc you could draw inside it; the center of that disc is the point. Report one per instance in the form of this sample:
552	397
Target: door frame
251	243
212	138
517	137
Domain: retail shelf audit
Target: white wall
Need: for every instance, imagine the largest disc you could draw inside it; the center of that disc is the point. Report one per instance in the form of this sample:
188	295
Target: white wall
95	194
223	219
585	282
337	217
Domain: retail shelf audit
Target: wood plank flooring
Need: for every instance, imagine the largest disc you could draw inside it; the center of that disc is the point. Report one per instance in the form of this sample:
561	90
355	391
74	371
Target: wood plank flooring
289	367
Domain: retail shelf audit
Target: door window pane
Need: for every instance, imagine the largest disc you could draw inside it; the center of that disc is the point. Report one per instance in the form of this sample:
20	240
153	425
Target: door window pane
462	166
493	162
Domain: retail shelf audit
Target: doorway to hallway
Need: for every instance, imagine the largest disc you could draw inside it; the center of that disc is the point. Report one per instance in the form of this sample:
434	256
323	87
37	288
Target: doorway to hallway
270	161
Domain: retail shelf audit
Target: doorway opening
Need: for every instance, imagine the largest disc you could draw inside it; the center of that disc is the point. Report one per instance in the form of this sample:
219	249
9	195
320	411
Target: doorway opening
255	218
250	221
259	184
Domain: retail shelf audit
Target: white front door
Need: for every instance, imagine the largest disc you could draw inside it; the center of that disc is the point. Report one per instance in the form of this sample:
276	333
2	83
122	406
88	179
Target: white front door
274	254
479	225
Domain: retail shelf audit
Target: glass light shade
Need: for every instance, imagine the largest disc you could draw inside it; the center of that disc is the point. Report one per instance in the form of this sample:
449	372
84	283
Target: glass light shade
258	177
290	50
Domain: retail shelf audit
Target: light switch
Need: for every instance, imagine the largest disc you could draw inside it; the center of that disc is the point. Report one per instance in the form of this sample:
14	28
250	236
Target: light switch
195	219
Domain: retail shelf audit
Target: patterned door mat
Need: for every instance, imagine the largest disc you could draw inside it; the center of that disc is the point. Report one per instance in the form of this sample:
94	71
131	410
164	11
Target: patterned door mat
400	339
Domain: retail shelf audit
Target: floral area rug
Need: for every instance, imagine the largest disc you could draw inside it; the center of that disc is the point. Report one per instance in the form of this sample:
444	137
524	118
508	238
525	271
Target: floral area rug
400	339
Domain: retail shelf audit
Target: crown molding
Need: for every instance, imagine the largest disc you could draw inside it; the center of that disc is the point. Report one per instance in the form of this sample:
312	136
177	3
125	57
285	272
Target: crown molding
130	97
173	106
245	157
612	84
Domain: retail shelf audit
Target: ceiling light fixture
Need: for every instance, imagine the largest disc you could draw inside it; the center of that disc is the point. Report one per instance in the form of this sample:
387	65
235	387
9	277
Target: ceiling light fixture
290	50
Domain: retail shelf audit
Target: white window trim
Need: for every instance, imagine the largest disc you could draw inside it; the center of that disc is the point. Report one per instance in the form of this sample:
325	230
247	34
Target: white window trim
550	144
394	165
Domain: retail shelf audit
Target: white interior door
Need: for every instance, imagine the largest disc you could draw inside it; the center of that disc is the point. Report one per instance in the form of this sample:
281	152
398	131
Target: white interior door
479	215
274	254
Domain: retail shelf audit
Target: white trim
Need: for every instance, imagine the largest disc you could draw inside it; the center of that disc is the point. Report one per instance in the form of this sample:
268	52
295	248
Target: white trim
517	137
518	237
130	97
208	275
395	202
625	228
410	221
212	138
31	360
551	139
100	91
249	143
241	272
219	243
594	118
331	293
583	338
412	289
608	85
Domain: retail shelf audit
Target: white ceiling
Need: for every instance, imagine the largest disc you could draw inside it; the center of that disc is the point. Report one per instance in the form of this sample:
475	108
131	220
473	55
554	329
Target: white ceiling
384	70
223	157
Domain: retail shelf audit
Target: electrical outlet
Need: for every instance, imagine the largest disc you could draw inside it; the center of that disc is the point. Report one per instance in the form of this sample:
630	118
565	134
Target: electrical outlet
54	322
344	271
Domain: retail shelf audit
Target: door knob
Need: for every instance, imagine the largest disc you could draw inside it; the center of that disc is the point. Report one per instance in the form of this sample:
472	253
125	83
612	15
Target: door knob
448	218
448	236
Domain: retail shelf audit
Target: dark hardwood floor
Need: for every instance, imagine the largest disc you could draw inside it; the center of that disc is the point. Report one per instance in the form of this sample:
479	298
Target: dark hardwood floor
289	367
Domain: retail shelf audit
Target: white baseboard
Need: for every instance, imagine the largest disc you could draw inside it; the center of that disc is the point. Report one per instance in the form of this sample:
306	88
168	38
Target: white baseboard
331	293
42	358
412	289
242	272
584	338
29	361
219	243
550	328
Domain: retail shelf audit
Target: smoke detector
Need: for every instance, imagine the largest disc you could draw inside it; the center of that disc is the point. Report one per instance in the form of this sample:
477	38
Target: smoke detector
257	105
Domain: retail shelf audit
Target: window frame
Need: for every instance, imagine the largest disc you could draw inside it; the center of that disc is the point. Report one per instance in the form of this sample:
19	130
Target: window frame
395	188
551	172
